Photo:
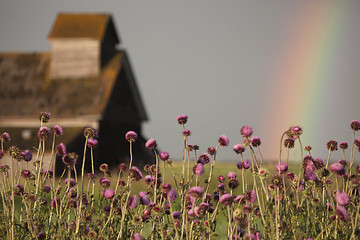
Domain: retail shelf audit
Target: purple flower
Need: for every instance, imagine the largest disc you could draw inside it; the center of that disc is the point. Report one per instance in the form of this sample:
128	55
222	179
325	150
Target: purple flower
176	214
239	165
26	155
44	133
231	175
48	173
182	119
205	157
331	145
70	159
92	143
108	193
310	175
136	236
26	174
58	130
144	198
338	169
342	213
104	182
151	144
5	137
90	132
355	125
246	164
186	132
343	145
133	202
55	202
198	169
148	179
250	196
246	131
46	188
196	191
171	195
226	199
211	151
255	141
223	140
283	167
72	182
131	136
61	149
239	149
164	155
342	199
135	173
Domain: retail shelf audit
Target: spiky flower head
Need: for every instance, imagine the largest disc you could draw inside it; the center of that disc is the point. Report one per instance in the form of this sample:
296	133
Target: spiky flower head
131	136
246	131
289	143
250	196
233	183
211	151
226	199
58	130
164	155
342	213
205	157
246	164
133	202
198	169
342	198
196	191
255	142
44	133
44	117
5	137
26	156
90	132
70	159
151	144
108	193
223	141
355	125
308	148
61	149
331	145
239	149
135	173
182	119
294	132
283	168
186	133
338	169
14	152
343	145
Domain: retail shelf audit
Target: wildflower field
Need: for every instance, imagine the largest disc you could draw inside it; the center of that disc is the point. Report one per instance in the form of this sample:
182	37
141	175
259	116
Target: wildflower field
189	199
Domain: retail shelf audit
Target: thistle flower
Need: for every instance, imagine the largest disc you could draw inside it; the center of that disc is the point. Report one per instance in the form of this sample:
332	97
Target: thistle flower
250	196
144	198
151	144
70	159
5	137
172	195
355	125
44	133
246	131
182	119
72	182
135	173
233	183
90	132
211	151
108	193
164	155
226	199
343	145
319	163
223	141
196	191
205	157
136	236
92	143
231	175
342	198
26	174
14	152
198	169
338	169
221	179
44	117
176	214
133	202
246	164
239	149
48	173
289	143
283	167
342	213
239	165
310	175
104	167
104	182
331	145
58	130
61	149
26	156
255	142
186	132
131	136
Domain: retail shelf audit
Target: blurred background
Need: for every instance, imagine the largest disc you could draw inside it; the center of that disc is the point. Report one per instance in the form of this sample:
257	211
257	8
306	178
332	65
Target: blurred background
267	64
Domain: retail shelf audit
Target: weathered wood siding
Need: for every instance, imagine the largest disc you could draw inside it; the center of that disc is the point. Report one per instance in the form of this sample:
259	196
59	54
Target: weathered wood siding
74	58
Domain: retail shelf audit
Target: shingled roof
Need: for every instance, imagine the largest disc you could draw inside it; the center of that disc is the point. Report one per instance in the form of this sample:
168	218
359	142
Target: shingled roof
26	90
80	25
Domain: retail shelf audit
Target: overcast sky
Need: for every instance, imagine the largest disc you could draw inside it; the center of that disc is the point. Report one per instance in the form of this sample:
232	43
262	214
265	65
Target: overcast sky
217	62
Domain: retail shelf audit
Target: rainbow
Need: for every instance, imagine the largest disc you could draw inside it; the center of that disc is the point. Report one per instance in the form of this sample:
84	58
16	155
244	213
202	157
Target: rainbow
301	77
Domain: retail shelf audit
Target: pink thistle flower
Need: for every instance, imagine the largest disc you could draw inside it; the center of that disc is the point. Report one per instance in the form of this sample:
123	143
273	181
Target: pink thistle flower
104	182
250	196
172	195
331	145
223	140
226	199
196	191
182	119
239	165
342	198
26	156
255	141
338	169
44	133
164	155
92	143
186	133
211	151
355	125
151	144
239	149
108	193
246	164
231	175
135	173
342	213
221	179
205	157
283	167
58	130
144	198
131	136
133	202
72	182
343	145
136	236
61	149
198	169
26	174
246	131
310	175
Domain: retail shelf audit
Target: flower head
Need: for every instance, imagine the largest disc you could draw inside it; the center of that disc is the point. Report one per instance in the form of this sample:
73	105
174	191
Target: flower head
135	173
223	140
61	149
164	155
250	196
14	152
211	151
136	236
198	169
186	132
92	143
246	131
283	167
355	125
44	133
70	159
90	132
338	169
131	136
246	164
44	117
151	144
331	145
196	191
26	156
342	198
289	143
342	213
226	199
108	193
133	202
255	141
72	182
204	157
58	130
172	195
144	198
182	119
343	145
5	137
231	175
239	149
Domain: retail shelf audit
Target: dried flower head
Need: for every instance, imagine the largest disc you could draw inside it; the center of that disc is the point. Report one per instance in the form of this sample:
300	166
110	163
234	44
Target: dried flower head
151	144
44	117
135	173
233	183
331	145
182	119
14	152
289	143
70	159
355	125
131	136
90	132
104	167
343	145
308	148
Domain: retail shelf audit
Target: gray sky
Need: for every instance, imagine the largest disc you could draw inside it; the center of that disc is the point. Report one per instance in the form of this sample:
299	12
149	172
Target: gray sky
221	62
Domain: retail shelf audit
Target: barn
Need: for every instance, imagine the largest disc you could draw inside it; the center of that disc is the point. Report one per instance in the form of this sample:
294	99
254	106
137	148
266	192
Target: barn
83	81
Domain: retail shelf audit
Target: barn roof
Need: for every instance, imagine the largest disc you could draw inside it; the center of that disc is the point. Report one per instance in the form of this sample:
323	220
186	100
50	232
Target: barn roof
26	90
82	25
